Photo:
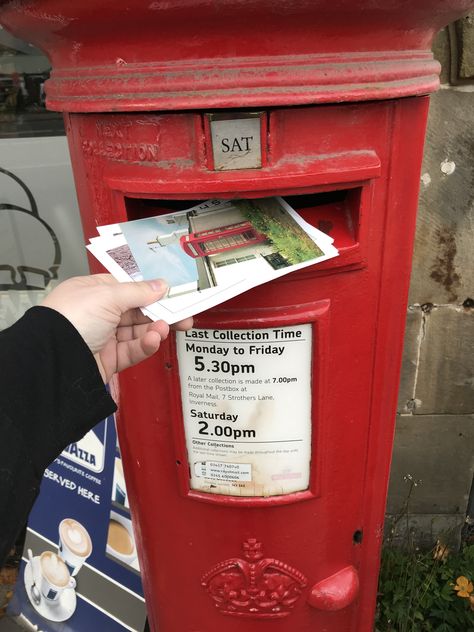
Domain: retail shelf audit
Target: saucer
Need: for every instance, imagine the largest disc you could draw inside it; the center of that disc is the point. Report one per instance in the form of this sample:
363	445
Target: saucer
126	559
59	610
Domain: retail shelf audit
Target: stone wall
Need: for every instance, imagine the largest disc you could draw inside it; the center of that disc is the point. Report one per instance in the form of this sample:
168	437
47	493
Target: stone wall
434	444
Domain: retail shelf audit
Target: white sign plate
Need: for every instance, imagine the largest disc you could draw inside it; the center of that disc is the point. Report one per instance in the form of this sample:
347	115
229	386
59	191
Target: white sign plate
236	143
246	398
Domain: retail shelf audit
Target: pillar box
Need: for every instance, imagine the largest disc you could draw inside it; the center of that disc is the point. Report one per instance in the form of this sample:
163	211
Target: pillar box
257	446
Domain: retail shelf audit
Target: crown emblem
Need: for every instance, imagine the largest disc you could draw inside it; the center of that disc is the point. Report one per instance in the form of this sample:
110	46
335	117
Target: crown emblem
255	586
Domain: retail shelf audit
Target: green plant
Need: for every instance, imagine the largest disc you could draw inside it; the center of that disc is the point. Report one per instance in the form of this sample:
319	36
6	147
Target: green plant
424	591
417	591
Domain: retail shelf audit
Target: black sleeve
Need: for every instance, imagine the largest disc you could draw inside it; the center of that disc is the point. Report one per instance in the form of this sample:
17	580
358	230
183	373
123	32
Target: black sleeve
51	394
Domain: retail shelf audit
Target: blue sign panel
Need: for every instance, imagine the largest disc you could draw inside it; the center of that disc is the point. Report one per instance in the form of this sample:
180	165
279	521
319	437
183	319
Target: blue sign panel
80	569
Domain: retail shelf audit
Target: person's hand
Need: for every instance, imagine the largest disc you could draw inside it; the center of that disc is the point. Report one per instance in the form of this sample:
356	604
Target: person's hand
105	313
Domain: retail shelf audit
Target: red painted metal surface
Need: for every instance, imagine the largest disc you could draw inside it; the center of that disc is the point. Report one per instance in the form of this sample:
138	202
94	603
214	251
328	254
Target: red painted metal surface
146	55
335	592
357	306
352	169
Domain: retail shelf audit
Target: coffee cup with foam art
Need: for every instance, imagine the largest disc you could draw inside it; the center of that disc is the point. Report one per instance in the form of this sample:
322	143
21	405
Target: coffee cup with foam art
75	544
55	576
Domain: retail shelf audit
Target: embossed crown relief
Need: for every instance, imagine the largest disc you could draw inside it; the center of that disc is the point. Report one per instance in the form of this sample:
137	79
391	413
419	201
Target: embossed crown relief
254	586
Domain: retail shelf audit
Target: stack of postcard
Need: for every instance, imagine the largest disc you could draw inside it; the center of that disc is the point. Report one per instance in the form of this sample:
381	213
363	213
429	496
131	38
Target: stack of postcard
211	252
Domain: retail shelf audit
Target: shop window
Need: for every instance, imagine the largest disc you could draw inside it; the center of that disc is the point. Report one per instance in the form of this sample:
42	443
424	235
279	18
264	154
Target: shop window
23	72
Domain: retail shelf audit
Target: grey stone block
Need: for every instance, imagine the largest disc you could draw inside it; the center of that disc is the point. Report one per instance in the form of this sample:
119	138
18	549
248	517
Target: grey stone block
465	42
438	451
445	380
424	530
442	52
444	256
410	356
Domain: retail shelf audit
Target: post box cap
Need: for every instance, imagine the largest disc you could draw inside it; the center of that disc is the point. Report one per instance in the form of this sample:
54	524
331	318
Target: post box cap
148	55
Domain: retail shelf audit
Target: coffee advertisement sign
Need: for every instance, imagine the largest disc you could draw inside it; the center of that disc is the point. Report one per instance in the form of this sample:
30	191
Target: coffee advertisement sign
80	569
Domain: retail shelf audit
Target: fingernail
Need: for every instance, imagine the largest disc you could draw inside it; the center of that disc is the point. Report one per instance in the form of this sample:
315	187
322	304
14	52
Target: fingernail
158	285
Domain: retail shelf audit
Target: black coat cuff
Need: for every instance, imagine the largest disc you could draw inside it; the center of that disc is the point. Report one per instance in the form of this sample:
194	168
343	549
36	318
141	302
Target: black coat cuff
54	392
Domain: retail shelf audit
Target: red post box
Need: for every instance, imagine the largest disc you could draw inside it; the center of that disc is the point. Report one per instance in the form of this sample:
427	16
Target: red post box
257	446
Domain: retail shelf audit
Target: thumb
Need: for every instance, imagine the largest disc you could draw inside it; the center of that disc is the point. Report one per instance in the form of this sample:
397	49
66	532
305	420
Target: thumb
139	293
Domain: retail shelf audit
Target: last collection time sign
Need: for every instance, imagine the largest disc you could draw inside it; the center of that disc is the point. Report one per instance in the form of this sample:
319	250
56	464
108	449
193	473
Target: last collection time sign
246	400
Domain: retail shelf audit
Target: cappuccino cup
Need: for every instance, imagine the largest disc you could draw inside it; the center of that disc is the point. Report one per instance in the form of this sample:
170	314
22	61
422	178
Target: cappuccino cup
120	542
75	544
55	576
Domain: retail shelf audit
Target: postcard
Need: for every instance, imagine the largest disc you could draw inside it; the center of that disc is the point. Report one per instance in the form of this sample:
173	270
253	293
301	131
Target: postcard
101	253
109	230
211	252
